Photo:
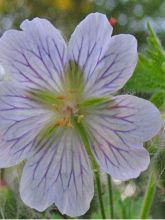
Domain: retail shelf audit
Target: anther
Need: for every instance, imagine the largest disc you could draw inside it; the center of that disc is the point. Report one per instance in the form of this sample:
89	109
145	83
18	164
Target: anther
65	122
80	117
69	124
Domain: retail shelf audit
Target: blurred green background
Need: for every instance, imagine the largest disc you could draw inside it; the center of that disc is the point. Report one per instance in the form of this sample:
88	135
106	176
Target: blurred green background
131	17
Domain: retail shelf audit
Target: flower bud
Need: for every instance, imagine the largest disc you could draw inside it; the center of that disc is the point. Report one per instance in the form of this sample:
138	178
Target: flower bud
112	21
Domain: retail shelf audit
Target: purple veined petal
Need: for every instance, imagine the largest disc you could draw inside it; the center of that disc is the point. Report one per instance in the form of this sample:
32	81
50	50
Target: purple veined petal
119	163
35	56
107	62
59	172
20	122
119	128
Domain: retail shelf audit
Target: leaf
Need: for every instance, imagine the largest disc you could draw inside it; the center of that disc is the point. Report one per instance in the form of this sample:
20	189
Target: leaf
158	99
149	75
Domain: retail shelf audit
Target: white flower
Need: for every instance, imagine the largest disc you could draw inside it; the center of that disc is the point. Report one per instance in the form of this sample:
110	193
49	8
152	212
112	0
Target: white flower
58	89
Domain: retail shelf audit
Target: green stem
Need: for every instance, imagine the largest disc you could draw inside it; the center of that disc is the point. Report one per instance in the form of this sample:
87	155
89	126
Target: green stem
99	191
97	179
110	196
2	171
148	198
85	138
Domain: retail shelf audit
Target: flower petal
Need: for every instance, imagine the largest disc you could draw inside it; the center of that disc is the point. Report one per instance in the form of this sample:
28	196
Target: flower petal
59	172
36	56
119	163
107	62
20	122
119	128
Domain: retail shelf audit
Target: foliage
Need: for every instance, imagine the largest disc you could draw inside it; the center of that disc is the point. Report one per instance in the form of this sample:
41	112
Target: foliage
149	76
124	207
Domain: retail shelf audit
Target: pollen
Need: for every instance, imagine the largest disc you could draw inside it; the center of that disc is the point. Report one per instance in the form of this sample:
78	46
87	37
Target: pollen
65	122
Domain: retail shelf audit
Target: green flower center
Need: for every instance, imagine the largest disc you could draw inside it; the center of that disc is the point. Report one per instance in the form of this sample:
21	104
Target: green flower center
70	103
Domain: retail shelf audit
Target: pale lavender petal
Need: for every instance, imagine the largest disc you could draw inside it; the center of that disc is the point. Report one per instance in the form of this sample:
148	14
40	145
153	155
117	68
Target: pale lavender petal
2	74
36	56
20	122
121	164
59	172
119	128
107	62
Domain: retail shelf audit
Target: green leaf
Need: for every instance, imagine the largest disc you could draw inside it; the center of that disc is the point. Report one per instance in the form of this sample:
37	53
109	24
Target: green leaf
149	75
158	99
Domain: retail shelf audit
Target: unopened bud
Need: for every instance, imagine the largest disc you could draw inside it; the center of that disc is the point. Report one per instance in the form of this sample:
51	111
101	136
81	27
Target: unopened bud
112	21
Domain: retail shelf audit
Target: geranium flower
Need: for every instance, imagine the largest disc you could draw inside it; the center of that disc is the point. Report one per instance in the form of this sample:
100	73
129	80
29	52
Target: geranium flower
61	95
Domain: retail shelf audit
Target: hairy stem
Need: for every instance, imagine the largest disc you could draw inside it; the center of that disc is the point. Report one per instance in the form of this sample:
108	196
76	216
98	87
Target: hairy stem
110	192
148	198
99	191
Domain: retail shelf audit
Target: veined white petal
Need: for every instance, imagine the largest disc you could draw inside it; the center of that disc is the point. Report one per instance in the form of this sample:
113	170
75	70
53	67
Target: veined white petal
119	128
116	67
20	122
119	163
59	172
36	56
107	62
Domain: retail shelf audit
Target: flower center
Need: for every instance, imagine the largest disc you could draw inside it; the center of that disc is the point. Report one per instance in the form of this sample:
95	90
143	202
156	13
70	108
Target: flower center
71	94
67	111
69	104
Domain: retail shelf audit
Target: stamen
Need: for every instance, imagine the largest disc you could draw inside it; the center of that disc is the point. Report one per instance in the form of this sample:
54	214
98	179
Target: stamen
69	125
65	122
80	117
